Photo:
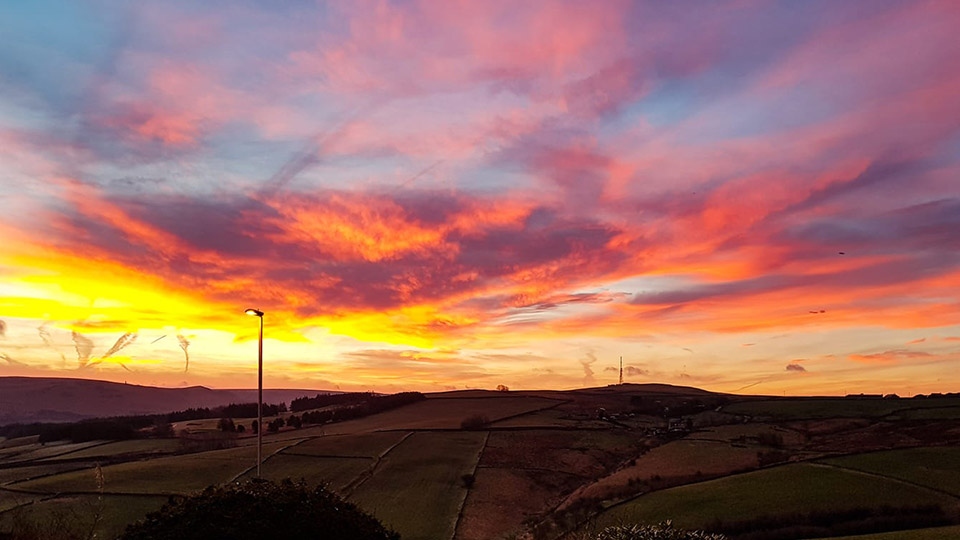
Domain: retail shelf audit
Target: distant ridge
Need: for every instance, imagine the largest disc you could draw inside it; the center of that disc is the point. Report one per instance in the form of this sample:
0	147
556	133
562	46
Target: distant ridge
47	399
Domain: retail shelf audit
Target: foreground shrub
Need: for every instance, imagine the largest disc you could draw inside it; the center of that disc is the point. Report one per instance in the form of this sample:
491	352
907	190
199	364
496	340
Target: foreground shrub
260	509
663	531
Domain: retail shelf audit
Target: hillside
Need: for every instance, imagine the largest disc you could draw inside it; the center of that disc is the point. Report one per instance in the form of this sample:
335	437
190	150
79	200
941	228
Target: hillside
32	399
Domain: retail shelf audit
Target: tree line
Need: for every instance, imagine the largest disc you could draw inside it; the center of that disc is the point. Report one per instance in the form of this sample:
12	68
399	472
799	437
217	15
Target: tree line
373	404
325	400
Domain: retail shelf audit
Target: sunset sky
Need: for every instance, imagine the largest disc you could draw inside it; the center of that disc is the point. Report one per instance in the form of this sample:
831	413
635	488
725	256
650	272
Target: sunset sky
745	196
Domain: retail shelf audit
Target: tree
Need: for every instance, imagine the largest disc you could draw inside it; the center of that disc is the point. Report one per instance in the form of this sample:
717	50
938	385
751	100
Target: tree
260	509
295	422
226	425
163	430
502	388
275	425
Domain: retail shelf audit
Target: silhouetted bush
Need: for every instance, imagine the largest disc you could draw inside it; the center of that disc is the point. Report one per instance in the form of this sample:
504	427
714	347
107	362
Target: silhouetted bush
260	509
226	425
476	421
275	425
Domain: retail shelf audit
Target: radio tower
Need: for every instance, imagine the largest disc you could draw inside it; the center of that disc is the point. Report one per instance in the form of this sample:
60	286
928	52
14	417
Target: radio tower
621	370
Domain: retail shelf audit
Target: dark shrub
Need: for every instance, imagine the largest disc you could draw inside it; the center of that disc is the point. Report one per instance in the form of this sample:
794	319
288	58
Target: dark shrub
260	509
476	421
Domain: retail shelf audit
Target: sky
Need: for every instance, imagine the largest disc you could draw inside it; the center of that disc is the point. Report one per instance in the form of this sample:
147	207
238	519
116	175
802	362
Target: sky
745	196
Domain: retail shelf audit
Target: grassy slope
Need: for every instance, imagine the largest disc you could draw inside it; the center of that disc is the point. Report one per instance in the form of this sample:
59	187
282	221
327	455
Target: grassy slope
368	445
79	513
792	488
176	474
334	473
417	489
937	467
841	407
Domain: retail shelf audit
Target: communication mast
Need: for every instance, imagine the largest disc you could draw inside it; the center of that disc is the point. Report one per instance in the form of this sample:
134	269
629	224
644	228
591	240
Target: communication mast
621	370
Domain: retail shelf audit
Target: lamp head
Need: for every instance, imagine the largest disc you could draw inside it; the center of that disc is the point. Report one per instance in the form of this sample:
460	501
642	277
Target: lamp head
254	312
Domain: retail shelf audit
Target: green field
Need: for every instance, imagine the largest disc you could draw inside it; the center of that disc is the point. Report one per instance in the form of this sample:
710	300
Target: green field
794	488
77	514
166	475
118	448
417	489
17	474
335	473
812	408
937	467
442	413
361	445
49	450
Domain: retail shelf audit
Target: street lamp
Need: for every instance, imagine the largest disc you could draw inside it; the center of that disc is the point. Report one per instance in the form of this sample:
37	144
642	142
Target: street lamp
259	314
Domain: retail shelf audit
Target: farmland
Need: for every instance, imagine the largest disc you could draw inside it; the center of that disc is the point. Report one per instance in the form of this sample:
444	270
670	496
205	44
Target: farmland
804	488
542	463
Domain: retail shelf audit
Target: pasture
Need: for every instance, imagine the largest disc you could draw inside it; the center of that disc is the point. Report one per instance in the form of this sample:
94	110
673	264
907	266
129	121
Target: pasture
161	476
933	467
335	473
76	515
796	488
369	445
417	488
675	462
443	413
852	407
138	447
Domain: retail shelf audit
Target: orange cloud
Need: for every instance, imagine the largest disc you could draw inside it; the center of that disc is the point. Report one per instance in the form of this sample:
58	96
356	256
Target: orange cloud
890	357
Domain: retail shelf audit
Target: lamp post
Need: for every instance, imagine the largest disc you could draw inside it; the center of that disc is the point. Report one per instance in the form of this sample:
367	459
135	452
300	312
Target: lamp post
259	314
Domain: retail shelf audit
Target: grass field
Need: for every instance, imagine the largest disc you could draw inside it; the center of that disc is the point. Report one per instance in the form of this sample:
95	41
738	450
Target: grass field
441	413
77	514
38	451
165	475
361	445
18	474
118	448
792	488
335	473
937	467
736	432
681	459
839	407
417	490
